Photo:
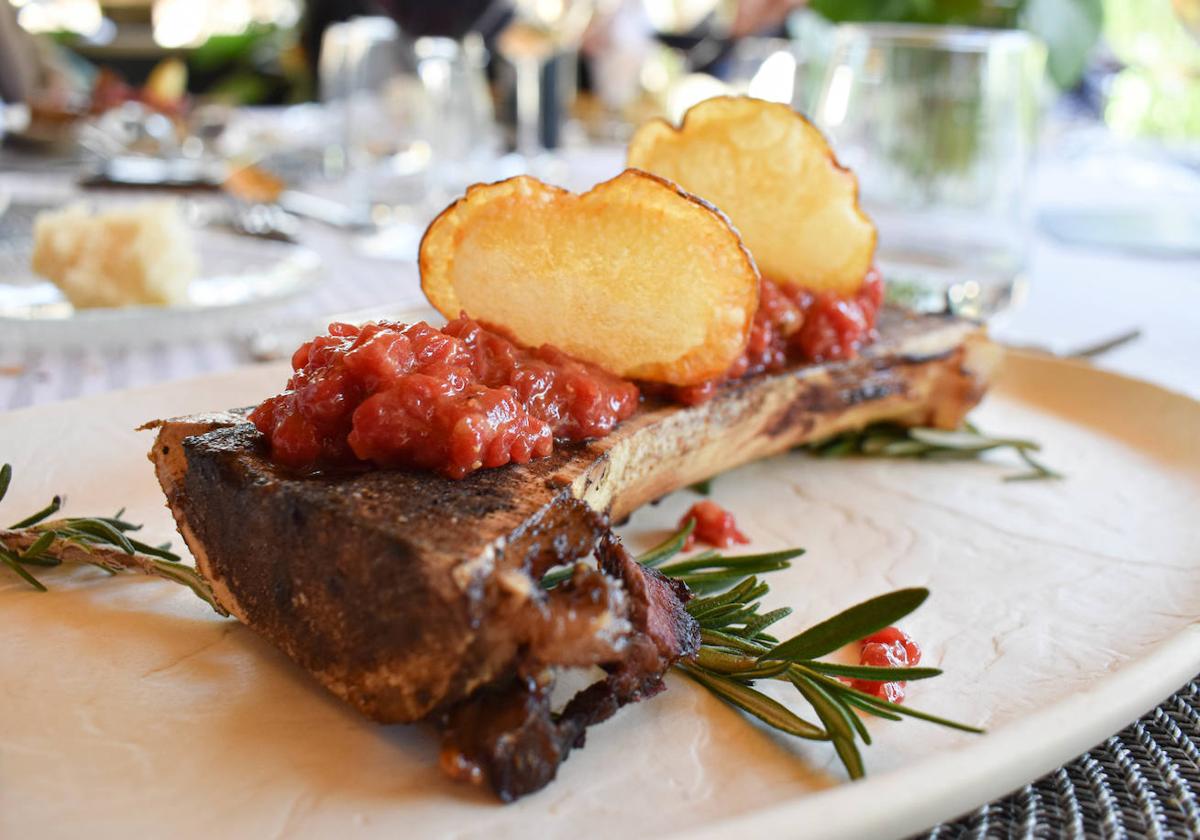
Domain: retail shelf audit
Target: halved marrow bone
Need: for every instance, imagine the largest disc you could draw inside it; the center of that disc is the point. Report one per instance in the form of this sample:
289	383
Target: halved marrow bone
405	593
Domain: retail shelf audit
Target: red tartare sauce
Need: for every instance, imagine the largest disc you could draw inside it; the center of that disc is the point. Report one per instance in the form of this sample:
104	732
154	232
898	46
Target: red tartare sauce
795	325
891	647
714	526
464	397
452	400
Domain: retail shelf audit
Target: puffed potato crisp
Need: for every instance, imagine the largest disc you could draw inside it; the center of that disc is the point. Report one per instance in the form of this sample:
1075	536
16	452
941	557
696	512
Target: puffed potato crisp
634	275
773	173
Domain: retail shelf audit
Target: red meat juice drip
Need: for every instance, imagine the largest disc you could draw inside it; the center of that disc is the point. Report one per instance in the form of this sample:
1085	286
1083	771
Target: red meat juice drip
891	647
452	400
714	526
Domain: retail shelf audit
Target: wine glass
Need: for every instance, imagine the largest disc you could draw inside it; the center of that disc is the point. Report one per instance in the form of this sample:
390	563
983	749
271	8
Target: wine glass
539	31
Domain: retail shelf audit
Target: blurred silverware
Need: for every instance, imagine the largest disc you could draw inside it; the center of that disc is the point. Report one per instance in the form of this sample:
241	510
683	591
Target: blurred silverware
325	210
1089	350
262	221
267	221
1104	345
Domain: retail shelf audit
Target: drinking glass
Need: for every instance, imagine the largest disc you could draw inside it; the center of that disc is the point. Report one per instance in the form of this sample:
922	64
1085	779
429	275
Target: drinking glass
939	124
460	121
367	85
767	68
418	124
539	31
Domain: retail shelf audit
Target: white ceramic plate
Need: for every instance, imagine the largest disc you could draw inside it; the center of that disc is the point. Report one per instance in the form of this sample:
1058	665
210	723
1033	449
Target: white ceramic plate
1060	611
240	276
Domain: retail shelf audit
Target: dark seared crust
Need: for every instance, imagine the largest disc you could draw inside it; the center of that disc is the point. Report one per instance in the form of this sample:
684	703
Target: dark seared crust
361	579
404	592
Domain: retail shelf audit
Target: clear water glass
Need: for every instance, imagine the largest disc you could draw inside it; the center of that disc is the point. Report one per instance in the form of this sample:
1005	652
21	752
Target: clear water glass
417	124
939	124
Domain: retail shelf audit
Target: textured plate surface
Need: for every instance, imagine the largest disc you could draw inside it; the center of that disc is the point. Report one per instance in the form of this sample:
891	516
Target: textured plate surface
1060	611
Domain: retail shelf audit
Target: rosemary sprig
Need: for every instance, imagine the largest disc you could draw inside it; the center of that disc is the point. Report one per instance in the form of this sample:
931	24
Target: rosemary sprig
101	541
889	440
736	650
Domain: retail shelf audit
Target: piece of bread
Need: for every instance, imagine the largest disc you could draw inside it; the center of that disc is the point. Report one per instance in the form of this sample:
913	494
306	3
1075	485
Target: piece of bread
137	255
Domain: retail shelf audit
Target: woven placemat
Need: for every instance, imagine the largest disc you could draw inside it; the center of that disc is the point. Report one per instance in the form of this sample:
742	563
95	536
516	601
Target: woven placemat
1142	782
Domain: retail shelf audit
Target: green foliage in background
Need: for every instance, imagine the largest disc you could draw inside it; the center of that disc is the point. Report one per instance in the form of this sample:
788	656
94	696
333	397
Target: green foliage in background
1158	92
960	12
1070	28
261	64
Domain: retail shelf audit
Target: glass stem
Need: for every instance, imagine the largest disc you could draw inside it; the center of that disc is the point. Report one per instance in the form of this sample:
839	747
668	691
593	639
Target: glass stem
529	106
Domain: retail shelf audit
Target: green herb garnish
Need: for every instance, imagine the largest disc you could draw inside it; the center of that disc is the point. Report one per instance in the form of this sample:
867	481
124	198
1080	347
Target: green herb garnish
736	650
103	541
889	440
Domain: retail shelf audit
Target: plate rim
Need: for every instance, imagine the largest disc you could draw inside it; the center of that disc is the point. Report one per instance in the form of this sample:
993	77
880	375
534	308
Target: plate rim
298	259
303	261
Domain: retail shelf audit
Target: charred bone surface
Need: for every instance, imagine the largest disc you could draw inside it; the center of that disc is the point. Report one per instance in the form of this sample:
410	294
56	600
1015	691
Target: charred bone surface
407	594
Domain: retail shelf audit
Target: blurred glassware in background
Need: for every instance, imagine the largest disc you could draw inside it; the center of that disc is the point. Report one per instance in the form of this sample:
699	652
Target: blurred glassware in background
416	125
538	33
461	120
768	68
377	104
939	124
135	145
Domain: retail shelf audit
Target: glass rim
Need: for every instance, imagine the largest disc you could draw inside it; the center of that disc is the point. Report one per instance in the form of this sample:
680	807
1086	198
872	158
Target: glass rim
961	38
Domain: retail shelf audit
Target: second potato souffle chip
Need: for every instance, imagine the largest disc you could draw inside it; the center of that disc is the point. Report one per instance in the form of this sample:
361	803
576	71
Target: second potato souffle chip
774	174
634	275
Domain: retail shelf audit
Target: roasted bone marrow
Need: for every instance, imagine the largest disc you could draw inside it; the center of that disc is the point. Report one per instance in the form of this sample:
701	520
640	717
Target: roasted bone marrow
387	520
407	593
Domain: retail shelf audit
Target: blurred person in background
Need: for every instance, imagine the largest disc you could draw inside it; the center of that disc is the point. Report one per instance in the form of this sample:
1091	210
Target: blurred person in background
19	68
754	17
36	70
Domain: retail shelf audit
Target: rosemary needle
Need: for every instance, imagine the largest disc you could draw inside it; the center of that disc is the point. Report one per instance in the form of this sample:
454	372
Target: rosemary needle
890	440
101	541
